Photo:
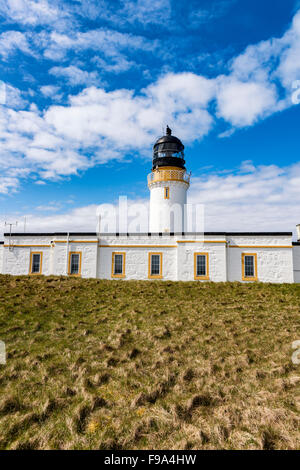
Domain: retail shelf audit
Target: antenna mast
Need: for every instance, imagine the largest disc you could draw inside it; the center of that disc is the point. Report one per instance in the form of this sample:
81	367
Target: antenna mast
10	225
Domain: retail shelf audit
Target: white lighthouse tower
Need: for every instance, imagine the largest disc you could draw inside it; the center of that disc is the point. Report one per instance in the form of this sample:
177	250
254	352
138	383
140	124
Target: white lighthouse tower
168	183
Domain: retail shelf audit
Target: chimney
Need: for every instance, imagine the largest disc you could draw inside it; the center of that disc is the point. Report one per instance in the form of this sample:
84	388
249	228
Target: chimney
298	232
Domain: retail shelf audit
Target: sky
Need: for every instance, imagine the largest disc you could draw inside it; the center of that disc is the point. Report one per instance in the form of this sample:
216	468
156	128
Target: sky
87	86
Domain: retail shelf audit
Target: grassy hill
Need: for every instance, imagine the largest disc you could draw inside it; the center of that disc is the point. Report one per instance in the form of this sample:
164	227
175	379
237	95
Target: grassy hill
148	365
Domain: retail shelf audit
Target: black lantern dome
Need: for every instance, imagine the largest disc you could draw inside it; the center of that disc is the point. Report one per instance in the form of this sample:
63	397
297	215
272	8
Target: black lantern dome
168	151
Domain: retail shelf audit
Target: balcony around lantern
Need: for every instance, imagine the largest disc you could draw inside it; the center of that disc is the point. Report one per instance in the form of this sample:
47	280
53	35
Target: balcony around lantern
169	175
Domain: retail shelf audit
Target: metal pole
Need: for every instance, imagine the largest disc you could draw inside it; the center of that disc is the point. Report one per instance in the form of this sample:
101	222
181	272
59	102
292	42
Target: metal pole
10	233
67	253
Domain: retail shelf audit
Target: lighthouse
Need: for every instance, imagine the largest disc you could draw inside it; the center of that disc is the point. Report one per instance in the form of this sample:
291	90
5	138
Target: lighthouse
168	183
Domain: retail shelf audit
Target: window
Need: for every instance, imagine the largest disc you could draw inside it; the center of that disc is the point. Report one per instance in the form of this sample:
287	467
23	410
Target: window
155	266
36	263
75	264
167	193
201	266
118	265
249	267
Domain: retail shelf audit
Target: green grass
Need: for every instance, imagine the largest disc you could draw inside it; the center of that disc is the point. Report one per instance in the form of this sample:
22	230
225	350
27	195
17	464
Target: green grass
148	365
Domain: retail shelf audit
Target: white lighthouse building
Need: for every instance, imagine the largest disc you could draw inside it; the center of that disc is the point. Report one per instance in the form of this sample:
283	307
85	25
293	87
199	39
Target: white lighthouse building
168	184
167	251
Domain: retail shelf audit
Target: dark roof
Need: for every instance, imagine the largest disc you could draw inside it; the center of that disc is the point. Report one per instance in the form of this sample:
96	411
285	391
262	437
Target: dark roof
261	234
170	139
94	234
52	234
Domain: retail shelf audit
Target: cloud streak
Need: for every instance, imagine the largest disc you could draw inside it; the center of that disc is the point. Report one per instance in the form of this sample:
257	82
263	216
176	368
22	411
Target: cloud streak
34	12
76	76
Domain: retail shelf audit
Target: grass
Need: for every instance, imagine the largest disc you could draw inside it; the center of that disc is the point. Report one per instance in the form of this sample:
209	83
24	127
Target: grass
148	365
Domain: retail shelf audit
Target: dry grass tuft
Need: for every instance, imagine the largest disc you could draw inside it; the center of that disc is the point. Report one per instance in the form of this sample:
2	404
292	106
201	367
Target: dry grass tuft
148	365
9	405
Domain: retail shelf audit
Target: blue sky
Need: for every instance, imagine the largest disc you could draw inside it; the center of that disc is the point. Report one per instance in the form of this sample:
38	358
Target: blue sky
88	86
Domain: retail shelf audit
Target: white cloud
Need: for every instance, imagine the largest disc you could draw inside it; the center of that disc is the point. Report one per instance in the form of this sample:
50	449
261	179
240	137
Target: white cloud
50	91
75	76
8	184
142	12
147	11
40	182
79	219
121	121
268	64
250	199
52	206
32	12
112	47
289	68
117	64
12	41
182	91
244	103
104	125
109	42
56	163
14	98
257	61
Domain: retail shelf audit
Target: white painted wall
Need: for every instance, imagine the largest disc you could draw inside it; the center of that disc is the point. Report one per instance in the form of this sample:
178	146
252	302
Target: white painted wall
17	260
88	249
55	257
161	219
274	264
216	256
59	259
1	258
136	260
88	256
296	260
